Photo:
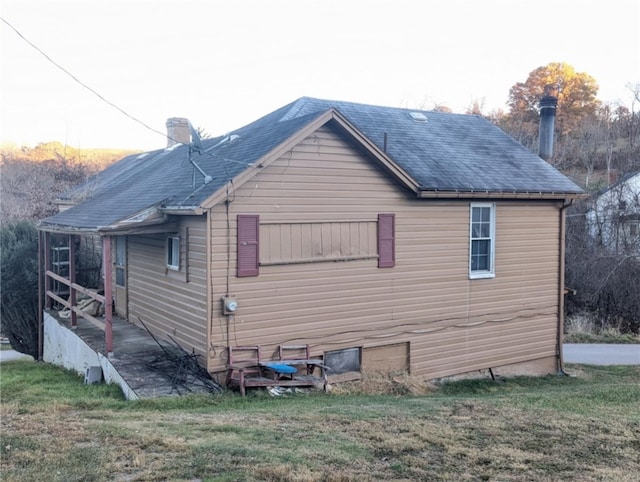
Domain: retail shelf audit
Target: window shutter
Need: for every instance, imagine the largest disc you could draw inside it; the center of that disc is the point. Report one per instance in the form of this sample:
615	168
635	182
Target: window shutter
248	247
386	240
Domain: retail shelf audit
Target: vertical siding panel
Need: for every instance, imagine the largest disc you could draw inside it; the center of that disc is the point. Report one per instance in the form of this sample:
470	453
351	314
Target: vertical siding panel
285	241
296	241
452	324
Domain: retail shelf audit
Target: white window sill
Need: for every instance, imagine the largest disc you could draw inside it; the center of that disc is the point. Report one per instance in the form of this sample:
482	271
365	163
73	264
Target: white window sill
481	275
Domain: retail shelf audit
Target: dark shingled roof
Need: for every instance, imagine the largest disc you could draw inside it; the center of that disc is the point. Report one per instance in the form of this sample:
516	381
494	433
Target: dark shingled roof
447	152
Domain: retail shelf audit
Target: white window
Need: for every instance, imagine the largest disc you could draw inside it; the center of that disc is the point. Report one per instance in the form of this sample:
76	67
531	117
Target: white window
482	240
173	252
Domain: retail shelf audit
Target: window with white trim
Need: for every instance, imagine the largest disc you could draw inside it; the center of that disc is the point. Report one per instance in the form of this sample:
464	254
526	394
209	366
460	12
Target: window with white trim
173	252
482	240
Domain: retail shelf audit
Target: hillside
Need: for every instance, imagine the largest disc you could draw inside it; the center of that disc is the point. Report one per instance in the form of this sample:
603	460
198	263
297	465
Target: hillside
32	178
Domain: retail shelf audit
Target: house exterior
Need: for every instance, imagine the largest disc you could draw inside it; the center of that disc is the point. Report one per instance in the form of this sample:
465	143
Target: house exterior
614	217
385	238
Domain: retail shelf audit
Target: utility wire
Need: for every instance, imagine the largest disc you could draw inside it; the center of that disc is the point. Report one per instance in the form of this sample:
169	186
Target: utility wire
102	98
40	51
119	109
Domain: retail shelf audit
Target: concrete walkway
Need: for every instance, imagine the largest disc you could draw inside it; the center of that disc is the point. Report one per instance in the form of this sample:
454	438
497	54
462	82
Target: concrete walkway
601	354
9	355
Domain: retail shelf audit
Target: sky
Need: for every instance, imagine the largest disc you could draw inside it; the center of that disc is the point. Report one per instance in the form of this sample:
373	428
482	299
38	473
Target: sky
130	65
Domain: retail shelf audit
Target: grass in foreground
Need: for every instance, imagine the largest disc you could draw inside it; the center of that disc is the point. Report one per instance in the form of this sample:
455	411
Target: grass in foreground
552	428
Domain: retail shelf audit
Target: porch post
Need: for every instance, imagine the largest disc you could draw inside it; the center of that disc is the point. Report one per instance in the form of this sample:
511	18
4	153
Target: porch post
40	299
108	296
47	267
72	280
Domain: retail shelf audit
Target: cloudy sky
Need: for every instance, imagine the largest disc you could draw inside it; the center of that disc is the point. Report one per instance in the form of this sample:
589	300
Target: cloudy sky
223	64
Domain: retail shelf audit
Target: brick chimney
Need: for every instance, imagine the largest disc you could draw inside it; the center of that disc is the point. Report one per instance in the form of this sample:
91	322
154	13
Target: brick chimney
548	104
178	131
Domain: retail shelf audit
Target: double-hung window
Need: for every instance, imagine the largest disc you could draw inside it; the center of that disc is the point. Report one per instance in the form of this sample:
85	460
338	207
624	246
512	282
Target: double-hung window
173	253
482	240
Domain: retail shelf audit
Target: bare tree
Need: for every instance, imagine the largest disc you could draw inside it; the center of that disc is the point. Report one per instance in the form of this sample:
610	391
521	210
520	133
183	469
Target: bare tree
603	259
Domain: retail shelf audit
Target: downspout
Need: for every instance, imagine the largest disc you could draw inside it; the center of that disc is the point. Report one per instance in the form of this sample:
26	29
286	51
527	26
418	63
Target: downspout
561	271
209	271
230	318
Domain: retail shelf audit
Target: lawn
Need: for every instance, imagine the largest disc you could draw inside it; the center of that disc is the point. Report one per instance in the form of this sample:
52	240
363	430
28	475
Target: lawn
585	427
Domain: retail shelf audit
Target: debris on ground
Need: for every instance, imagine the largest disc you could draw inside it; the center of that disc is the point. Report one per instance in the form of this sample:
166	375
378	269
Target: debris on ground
182	368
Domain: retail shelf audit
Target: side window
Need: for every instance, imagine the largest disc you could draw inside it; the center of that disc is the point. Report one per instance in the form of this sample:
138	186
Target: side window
482	240
173	253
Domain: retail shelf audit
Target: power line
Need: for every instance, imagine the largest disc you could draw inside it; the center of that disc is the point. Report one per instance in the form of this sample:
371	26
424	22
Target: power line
102	98
97	94
119	109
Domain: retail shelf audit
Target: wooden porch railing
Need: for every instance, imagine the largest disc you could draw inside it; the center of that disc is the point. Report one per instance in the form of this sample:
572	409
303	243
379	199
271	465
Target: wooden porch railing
80	289
47	294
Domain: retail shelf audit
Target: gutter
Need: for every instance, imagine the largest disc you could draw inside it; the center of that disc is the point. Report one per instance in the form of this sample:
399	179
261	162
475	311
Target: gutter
462	194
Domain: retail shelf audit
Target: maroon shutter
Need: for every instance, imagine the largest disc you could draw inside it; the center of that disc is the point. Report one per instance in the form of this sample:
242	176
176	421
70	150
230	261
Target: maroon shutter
248	246
386	240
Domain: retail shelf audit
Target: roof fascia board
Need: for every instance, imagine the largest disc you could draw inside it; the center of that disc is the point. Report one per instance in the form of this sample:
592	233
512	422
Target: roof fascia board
292	141
179	211
58	229
148	229
112	230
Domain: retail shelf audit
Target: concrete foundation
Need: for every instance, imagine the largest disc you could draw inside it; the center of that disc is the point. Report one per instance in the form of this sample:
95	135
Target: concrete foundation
62	347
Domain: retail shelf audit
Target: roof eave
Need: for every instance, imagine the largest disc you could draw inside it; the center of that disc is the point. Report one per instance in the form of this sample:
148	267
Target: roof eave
183	210
61	229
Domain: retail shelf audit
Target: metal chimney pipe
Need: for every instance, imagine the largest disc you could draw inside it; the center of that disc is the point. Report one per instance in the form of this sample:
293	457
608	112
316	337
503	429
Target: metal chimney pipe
548	104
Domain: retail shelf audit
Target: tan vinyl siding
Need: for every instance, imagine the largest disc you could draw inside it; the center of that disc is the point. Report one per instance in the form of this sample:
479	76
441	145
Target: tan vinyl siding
171	302
453	324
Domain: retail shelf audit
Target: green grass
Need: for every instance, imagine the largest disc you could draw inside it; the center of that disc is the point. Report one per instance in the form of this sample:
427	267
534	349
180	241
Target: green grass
584	427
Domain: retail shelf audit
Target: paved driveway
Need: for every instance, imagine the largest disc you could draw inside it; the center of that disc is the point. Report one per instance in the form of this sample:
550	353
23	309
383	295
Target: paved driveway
601	354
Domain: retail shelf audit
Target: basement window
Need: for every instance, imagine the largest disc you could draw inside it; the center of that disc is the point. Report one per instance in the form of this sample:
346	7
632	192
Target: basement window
173	253
343	361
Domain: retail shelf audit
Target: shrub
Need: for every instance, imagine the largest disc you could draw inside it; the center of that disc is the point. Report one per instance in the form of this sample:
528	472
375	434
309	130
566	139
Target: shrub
19	285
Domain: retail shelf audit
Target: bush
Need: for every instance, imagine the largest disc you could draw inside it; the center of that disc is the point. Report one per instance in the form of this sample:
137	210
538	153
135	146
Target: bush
19	285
